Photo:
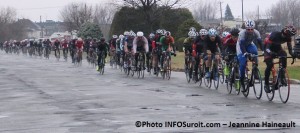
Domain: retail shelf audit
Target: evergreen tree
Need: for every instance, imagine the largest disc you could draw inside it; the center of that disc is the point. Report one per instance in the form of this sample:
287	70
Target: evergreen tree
228	13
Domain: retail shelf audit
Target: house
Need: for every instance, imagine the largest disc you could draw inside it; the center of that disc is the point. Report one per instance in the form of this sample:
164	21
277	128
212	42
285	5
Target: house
49	27
32	30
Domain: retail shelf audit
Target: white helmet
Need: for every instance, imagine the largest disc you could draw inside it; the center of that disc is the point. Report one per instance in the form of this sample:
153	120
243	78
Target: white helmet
192	34
126	33
151	35
212	32
132	33
193	29
225	33
249	24
203	32
139	34
115	36
121	36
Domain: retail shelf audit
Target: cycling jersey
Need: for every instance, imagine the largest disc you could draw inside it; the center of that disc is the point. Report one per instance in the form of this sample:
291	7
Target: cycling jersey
166	42
230	44
198	45
79	44
65	44
212	45
245	39
139	44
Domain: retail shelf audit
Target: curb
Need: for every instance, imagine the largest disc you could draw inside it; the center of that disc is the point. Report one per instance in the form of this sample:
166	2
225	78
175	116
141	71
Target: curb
293	81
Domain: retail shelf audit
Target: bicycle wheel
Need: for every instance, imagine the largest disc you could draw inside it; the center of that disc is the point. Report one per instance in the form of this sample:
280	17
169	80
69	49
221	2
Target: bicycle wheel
284	86
236	81
102	65
187	70
256	81
246	83
229	80
142	67
168	70
216	81
270	95
200	75
221	72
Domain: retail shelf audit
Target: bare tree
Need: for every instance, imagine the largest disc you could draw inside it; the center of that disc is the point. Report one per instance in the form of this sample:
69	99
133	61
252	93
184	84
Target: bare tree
152	9
286	12
205	10
104	13
9	28
76	14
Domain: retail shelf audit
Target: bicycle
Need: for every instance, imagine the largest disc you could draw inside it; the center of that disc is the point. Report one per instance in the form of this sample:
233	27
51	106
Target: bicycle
113	58
57	53
166	68
189	67
127	67
232	79
213	72
65	53
254	80
201	70
78	58
101	63
280	81
140	67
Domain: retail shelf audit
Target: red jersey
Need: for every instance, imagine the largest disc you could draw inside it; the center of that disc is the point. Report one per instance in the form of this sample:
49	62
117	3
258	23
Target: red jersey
65	44
79	44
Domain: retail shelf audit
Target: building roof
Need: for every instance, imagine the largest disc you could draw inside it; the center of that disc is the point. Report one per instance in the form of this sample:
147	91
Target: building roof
29	25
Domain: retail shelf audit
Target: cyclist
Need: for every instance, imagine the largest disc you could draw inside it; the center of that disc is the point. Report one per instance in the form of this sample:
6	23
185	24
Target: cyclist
156	48
245	45
166	41
151	41
198	49
79	46
65	46
140	43
102	46
112	46
87	42
213	41
187	45
273	47
230	47
72	49
56	47
120	47
129	44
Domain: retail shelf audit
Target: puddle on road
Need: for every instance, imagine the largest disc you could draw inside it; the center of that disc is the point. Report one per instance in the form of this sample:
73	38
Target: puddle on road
194	95
155	90
149	108
224	104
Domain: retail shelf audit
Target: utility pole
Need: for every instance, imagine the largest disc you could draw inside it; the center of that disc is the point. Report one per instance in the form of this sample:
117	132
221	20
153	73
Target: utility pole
242	11
258	13
42	31
221	16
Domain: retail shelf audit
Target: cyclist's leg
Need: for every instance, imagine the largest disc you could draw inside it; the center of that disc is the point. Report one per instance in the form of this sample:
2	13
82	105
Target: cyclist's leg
196	66
269	62
253	50
242	64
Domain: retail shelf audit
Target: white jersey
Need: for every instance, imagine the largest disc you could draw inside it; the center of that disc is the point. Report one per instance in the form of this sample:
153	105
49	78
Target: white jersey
247	39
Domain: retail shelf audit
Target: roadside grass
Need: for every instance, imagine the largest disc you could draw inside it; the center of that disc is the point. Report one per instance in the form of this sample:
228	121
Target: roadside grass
294	70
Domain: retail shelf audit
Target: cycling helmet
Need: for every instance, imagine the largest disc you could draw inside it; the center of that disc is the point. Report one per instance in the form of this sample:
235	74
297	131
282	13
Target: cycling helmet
151	35
132	34
289	30
212	32
126	33
249	24
102	39
115	36
193	29
234	32
192	34
121	36
203	32
168	33
159	31
79	39
225	33
140	34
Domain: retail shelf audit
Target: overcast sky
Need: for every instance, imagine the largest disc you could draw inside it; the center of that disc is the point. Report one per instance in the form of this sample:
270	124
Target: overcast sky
50	9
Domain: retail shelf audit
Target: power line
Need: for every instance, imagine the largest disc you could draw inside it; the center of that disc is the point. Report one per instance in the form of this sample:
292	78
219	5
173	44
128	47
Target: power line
40	8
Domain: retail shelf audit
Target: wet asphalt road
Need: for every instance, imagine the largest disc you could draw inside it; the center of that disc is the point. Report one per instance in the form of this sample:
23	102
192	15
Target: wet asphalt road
49	96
